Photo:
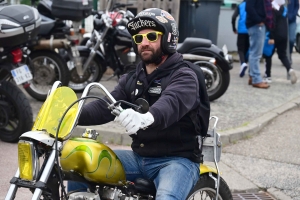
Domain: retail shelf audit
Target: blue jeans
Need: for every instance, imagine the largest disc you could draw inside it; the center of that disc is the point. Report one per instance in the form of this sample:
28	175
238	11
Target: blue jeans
292	35
257	37
173	177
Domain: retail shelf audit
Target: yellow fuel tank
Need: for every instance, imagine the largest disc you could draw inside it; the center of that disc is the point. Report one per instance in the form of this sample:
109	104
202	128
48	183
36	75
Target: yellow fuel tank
94	161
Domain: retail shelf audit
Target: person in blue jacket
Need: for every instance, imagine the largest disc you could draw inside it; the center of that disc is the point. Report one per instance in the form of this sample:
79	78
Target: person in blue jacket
242	37
293	7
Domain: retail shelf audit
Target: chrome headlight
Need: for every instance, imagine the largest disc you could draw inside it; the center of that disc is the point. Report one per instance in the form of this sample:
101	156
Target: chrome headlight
28	160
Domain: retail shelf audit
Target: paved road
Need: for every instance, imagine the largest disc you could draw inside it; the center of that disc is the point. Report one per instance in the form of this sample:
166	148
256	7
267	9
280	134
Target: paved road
270	160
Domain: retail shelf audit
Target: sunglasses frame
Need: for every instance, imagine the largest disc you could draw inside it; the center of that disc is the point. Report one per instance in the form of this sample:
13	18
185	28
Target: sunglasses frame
145	35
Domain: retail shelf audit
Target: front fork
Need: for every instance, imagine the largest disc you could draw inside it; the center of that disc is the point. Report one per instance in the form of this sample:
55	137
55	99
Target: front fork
16	182
75	56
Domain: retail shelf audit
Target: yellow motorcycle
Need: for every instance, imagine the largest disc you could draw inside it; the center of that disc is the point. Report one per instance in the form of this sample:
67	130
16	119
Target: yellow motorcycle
48	155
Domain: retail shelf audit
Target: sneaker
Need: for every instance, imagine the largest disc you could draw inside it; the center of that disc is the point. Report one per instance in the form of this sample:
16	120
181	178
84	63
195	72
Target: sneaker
293	76
243	69
267	79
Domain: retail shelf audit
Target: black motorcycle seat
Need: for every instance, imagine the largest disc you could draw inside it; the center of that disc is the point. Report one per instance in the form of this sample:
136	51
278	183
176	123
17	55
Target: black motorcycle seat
46	26
191	42
145	186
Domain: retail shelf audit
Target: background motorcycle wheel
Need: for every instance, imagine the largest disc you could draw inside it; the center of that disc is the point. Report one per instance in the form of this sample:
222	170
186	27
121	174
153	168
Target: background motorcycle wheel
93	73
47	67
205	189
15	112
217	80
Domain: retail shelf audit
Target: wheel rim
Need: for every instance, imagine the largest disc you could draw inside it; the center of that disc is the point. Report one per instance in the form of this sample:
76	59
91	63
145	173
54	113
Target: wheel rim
9	116
212	74
45	72
204	193
91	74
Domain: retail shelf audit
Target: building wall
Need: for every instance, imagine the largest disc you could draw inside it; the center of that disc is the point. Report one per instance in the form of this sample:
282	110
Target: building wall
225	33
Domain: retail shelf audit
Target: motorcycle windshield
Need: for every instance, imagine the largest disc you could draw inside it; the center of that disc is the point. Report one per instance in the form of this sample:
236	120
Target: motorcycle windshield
51	112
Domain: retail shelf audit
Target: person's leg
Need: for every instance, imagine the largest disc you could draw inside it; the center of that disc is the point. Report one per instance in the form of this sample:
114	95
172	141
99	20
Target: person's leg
174	177
282	55
242	53
240	45
268	60
257	35
292	37
131	163
281	46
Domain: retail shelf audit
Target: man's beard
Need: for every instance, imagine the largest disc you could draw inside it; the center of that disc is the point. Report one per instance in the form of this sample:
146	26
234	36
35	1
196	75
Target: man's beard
155	58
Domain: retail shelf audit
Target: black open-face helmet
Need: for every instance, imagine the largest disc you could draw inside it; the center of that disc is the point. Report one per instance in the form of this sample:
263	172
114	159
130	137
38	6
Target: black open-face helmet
159	20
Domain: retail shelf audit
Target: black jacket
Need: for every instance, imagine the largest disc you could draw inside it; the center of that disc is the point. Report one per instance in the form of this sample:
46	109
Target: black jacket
172	133
280	31
255	12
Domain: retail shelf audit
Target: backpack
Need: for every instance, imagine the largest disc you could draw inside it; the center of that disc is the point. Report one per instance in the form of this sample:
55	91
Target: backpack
200	115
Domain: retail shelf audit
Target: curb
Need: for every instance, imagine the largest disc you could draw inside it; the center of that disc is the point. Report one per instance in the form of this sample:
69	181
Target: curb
239	133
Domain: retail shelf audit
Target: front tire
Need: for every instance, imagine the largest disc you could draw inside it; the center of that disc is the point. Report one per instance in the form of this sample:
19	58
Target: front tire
93	73
205	189
15	112
46	67
216	80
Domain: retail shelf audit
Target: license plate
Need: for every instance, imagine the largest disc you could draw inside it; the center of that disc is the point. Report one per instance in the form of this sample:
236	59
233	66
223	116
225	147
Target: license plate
21	74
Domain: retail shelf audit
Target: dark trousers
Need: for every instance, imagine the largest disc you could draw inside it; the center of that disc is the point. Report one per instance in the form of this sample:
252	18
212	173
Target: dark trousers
243	47
281	48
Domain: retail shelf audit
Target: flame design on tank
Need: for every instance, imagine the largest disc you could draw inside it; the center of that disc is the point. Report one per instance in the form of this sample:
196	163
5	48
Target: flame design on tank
94	161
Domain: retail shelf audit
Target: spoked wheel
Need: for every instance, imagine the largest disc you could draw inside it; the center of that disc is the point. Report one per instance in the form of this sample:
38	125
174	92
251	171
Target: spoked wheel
93	73
15	112
46	67
205	189
216	80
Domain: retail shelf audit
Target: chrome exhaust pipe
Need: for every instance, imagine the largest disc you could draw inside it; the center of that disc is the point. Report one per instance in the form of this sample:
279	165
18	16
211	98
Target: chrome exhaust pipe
52	44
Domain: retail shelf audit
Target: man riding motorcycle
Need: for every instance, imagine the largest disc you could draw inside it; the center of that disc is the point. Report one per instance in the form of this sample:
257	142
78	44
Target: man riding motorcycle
166	138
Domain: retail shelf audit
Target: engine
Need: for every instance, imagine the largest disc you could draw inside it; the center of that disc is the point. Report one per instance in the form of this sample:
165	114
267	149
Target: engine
108	193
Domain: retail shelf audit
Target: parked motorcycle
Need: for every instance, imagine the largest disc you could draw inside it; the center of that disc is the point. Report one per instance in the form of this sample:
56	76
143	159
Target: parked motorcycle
84	65
15	32
117	49
86	160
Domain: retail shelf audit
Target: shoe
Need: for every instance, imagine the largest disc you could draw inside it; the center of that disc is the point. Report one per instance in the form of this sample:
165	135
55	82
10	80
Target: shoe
250	80
267	79
243	69
293	76
261	85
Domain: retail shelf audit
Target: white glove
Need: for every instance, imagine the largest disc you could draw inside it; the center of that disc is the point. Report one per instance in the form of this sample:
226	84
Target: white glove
133	121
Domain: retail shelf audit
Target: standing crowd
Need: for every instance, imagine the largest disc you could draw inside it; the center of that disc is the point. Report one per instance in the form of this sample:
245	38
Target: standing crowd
265	27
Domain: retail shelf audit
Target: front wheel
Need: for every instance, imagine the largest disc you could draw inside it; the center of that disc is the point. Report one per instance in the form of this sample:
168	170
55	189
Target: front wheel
216	79
15	112
93	73
46	67
205	189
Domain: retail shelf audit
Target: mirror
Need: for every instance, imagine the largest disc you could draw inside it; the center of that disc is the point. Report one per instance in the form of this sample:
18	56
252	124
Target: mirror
143	104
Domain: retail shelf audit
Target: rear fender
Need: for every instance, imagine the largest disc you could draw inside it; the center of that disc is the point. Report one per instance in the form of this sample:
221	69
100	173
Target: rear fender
214	52
206	169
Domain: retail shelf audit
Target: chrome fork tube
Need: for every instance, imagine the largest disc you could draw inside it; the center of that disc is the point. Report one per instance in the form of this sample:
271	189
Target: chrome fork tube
46	173
94	49
13	188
